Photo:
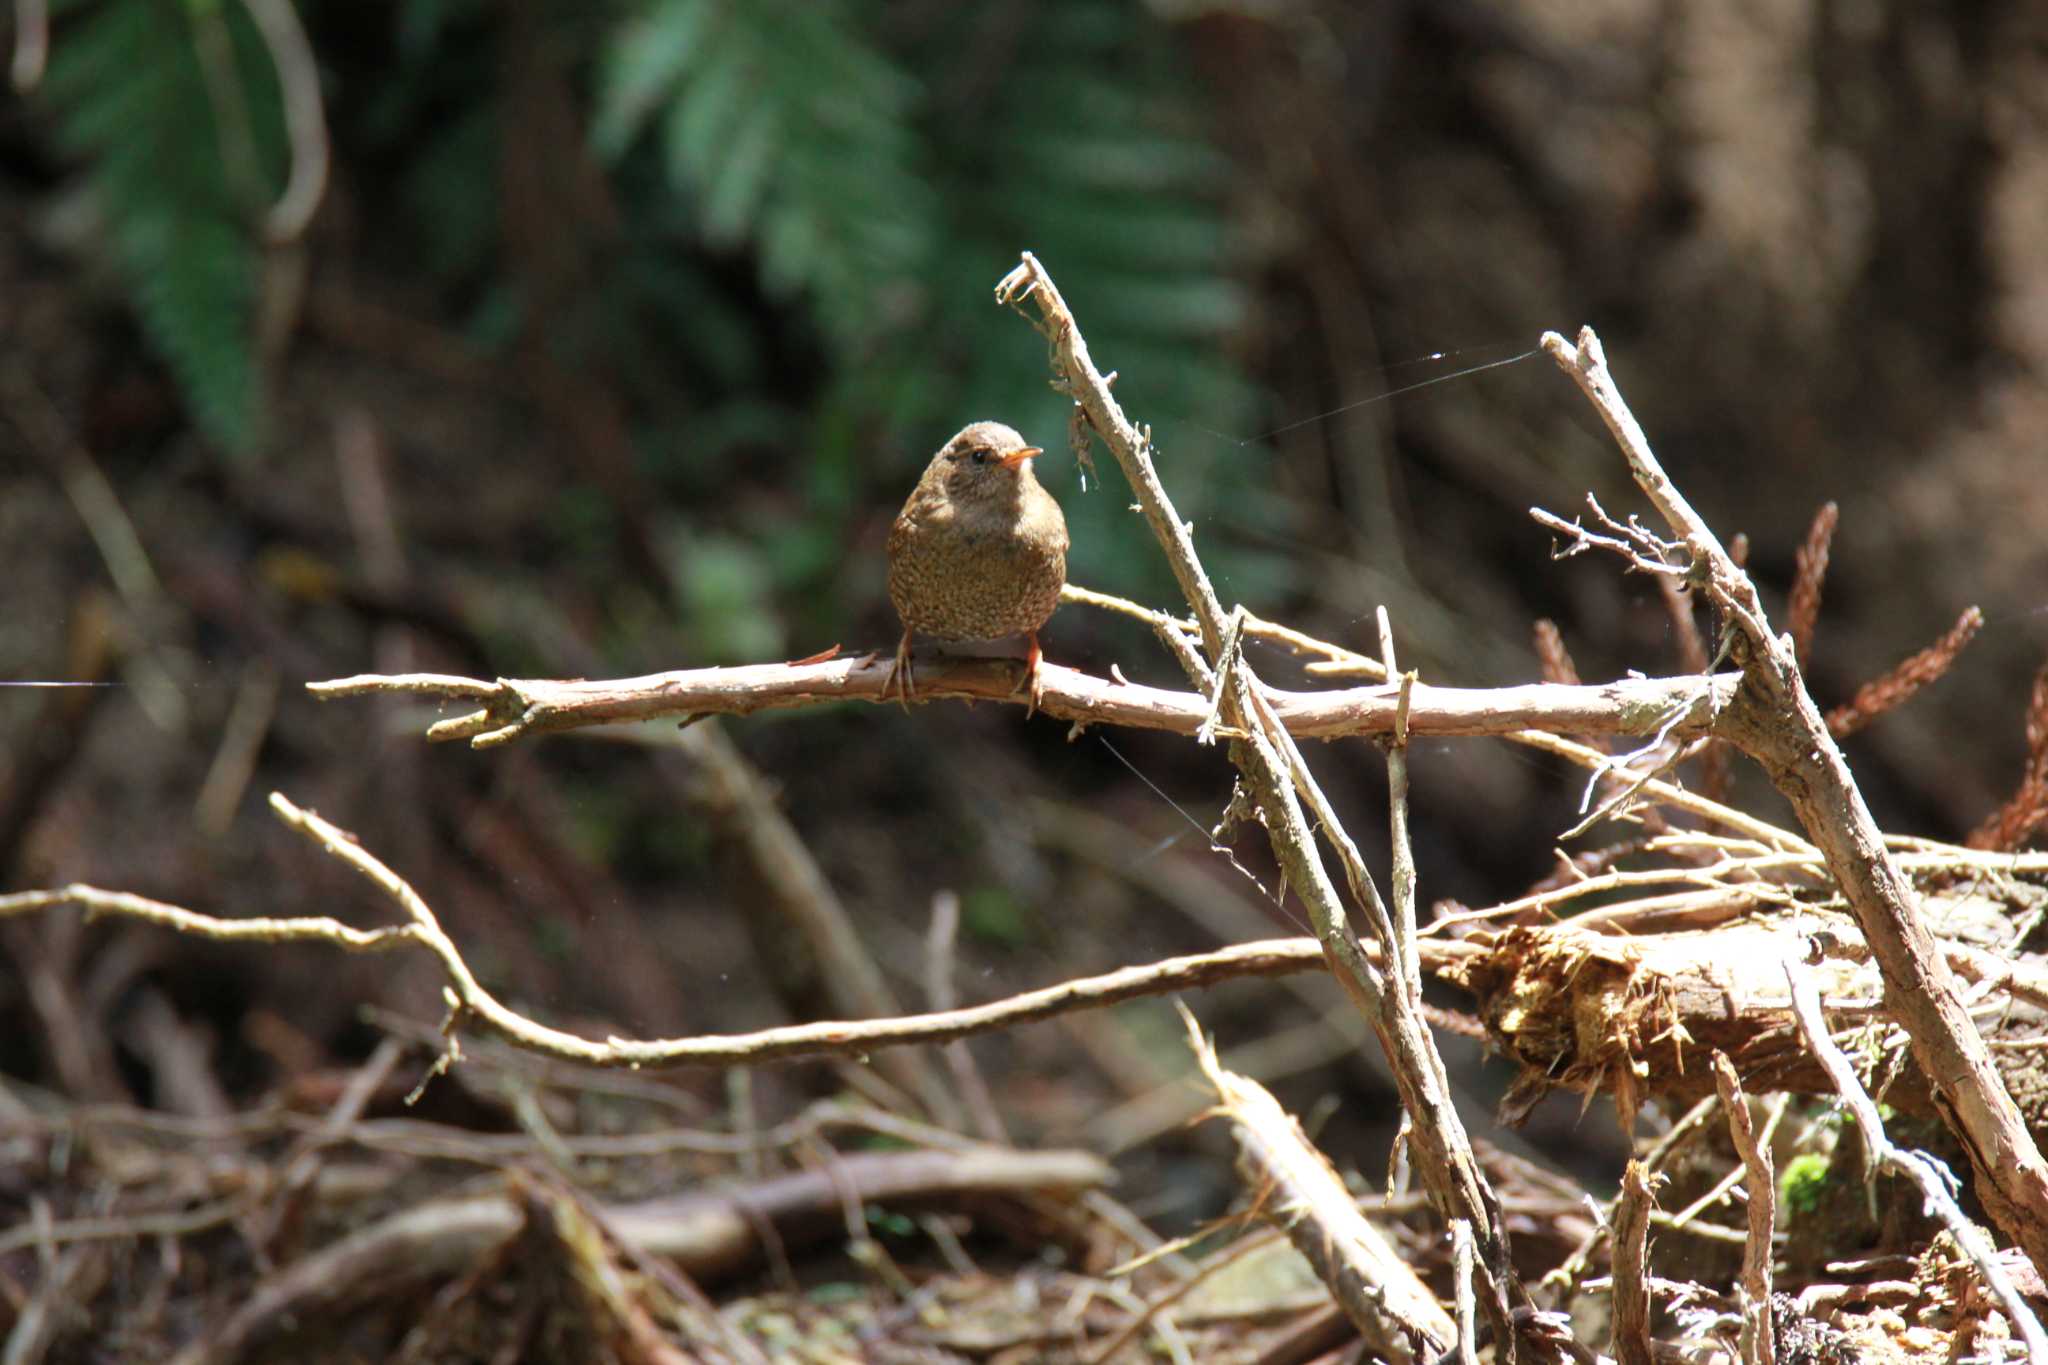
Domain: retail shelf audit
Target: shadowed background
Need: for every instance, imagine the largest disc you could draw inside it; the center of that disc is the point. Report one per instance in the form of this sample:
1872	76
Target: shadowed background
622	329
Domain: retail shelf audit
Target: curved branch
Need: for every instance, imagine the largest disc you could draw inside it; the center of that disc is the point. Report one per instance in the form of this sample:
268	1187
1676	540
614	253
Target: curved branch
305	119
31	44
468	997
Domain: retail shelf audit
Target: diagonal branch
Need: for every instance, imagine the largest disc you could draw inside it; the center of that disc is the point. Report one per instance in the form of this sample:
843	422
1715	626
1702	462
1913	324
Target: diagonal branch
1265	753
1774	720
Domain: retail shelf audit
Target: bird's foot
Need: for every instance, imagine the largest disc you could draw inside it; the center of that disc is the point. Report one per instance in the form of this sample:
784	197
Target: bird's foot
901	679
1033	678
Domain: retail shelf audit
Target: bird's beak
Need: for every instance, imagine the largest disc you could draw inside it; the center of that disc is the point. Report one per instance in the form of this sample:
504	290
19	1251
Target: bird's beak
1017	457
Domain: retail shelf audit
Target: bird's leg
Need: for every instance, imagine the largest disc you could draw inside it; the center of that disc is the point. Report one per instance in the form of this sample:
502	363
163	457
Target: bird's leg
1033	656
900	677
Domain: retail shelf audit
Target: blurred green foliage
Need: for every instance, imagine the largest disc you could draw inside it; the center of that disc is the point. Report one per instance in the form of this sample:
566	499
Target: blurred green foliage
1803	1183
811	201
175	110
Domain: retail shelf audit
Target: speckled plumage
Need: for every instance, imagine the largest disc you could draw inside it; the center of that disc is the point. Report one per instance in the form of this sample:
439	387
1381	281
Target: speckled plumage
979	552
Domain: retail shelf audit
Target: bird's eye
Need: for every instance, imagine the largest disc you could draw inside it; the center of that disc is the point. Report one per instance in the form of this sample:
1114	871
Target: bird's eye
981	456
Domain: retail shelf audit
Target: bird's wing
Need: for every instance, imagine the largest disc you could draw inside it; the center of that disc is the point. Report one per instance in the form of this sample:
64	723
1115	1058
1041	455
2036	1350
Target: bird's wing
921	513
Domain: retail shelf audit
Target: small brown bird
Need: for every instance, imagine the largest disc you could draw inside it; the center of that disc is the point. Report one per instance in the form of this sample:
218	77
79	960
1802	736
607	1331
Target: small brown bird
979	552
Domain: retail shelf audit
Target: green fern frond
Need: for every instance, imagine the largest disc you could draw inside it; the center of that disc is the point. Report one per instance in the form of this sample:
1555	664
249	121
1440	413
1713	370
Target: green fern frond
177	192
790	134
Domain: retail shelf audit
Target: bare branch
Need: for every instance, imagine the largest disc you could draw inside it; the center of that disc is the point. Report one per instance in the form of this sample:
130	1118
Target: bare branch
517	707
1758	1343
1271	957
1631	1268
1643	552
1396	1313
315	928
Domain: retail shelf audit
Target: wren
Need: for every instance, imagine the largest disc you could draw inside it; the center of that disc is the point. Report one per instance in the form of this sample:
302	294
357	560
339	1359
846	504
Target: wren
979	552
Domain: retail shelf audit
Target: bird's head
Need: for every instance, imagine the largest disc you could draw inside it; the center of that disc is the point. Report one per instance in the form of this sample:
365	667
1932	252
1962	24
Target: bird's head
987	462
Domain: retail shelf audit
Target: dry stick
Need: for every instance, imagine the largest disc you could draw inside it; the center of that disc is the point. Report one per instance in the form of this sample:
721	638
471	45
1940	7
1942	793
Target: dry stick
1402	873
1341	662
1464	1262
1337	661
1279	780
1758	1341
1774	720
1393	1310
1934	1181
1631	1292
1736	1174
940	995
513	708
1271	957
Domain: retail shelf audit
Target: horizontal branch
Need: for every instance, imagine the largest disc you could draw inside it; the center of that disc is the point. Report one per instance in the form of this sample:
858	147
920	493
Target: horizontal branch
515	707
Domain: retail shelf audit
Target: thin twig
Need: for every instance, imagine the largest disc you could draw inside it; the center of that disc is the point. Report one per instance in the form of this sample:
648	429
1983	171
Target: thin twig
1272	957
1758	1345
1463	1264
1401	875
1937	1186
940	996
